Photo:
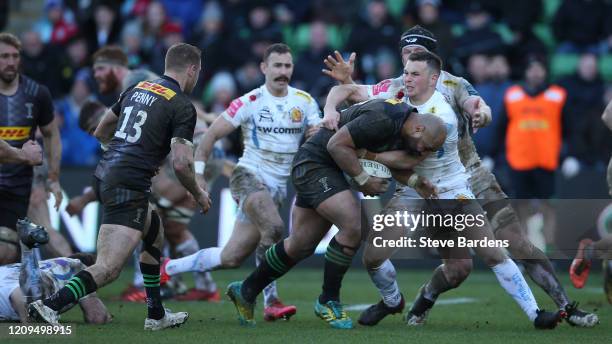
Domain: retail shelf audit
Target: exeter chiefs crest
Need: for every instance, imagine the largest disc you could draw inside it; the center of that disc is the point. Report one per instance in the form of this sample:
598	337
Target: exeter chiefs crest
296	115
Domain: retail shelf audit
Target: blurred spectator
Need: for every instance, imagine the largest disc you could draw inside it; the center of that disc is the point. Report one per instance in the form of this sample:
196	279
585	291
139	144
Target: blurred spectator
131	42
307	72
520	15
261	31
479	37
58	25
78	148
72	59
249	77
320	10
171	33
579	26
222	91
151	25
187	13
478	68
584	106
534	112
210	36
39	61
371	34
105	26
496	72
428	16
4	13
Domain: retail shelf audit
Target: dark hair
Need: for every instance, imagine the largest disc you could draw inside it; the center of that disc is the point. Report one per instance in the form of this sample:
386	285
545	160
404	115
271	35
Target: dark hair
433	61
111	54
279	48
90	109
417	35
88	259
181	56
10	39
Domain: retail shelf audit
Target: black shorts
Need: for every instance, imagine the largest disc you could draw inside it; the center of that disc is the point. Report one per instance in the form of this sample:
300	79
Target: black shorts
12	208
122	206
315	182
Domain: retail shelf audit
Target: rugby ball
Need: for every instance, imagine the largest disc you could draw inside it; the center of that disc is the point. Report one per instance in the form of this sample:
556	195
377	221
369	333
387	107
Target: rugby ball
372	168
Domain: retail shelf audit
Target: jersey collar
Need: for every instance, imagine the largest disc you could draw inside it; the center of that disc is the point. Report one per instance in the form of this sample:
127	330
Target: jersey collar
165	77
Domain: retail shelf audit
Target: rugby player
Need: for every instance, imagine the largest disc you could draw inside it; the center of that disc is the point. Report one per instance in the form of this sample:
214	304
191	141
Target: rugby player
112	75
587	249
175	207
446	172
473	113
26	105
274	119
154	118
32	279
318	176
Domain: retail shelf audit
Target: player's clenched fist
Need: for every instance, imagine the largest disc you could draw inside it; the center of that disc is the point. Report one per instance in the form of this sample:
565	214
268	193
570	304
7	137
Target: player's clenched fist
32	152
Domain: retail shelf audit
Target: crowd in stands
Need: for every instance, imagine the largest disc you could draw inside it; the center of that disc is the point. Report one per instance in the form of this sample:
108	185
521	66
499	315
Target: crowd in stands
487	42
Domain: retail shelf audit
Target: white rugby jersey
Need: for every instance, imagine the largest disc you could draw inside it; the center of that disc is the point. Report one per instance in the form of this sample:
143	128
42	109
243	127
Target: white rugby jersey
272	127
444	166
57	270
455	90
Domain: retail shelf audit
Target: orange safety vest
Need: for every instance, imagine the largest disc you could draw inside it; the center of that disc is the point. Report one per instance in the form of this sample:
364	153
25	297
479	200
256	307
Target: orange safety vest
533	137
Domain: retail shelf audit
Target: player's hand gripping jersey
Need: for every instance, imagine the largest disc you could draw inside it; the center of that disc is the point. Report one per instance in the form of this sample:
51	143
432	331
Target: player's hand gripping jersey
272	128
150	114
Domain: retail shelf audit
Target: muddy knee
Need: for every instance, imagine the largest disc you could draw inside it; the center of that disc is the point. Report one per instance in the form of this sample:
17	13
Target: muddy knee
457	270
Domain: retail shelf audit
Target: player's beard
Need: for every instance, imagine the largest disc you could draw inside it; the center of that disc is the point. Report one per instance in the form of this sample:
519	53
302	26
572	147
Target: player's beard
8	75
109	84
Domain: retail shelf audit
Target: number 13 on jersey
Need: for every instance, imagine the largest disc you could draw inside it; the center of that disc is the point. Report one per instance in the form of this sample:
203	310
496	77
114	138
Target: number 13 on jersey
141	117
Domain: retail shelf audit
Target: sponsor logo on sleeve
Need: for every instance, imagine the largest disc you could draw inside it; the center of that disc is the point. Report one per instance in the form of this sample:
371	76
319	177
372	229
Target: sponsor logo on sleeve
381	87
234	106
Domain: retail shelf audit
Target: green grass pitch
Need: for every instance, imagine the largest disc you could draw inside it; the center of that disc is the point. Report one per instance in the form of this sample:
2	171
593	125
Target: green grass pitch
487	315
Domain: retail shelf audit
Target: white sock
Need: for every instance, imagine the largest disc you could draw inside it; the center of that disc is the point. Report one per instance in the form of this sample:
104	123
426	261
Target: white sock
511	279
202	280
270	293
204	260
384	279
138	281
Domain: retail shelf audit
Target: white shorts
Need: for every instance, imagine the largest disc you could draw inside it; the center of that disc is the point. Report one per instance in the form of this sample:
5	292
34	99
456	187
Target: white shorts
456	189
8	284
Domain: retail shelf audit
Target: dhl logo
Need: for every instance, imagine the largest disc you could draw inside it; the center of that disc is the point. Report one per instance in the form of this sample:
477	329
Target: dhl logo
157	89
14	133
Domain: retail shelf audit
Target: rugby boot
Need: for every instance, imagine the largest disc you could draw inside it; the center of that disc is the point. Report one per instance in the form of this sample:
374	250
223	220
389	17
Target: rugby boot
333	313
30	234
419	310
577	317
375	313
169	320
277	310
580	268
245	309
548	320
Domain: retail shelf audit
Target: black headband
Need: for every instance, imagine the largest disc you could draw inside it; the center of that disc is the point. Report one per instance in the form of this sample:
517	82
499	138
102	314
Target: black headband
427	42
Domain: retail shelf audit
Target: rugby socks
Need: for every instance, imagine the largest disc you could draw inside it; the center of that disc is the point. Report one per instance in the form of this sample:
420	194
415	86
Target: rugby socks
150	274
541	271
275	264
437	285
80	285
337	263
511	279
204	260
270	293
30	279
384	278
202	280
